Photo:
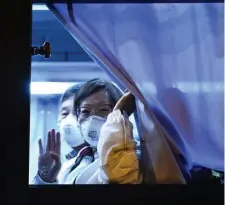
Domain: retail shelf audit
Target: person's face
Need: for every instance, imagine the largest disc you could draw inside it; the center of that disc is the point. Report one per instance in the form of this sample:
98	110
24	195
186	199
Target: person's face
66	108
96	104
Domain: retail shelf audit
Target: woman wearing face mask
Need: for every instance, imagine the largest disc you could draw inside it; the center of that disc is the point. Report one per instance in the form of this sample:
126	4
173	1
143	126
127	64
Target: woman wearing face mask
94	101
105	125
99	107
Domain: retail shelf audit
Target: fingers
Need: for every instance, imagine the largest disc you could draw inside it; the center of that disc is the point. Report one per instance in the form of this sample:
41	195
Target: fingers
119	104
41	151
123	100
53	139
126	103
58	144
56	157
48	147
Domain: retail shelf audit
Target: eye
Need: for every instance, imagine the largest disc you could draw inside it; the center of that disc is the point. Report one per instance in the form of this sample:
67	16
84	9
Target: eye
105	110
64	114
85	111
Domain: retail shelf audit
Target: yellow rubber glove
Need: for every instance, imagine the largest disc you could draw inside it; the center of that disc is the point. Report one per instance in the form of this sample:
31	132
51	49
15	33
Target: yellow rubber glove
117	150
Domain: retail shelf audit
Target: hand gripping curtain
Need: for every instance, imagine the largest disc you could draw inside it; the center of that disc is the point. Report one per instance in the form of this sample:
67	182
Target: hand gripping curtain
170	56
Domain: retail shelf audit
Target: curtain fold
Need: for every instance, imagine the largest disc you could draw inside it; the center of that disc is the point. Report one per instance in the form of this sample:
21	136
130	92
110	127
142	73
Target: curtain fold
170	56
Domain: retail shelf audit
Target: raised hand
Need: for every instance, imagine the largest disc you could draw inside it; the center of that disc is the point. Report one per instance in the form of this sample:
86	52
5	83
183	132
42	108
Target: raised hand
49	163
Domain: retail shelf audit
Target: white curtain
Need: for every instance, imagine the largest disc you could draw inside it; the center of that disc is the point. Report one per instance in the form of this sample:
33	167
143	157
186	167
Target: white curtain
170	56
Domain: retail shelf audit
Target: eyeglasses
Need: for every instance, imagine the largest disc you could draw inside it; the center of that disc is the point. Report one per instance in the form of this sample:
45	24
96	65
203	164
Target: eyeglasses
102	111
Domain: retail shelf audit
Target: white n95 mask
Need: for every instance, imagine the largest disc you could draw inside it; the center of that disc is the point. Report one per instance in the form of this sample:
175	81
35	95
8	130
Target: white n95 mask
90	129
70	131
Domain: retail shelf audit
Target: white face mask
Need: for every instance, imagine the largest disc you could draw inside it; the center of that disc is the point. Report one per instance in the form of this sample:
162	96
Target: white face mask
70	131
90	129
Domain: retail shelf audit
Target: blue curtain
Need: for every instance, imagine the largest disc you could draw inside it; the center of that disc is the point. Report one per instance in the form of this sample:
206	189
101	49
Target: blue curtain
170	56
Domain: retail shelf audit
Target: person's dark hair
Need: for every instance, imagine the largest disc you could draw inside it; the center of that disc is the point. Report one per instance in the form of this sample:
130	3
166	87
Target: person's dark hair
71	91
96	85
